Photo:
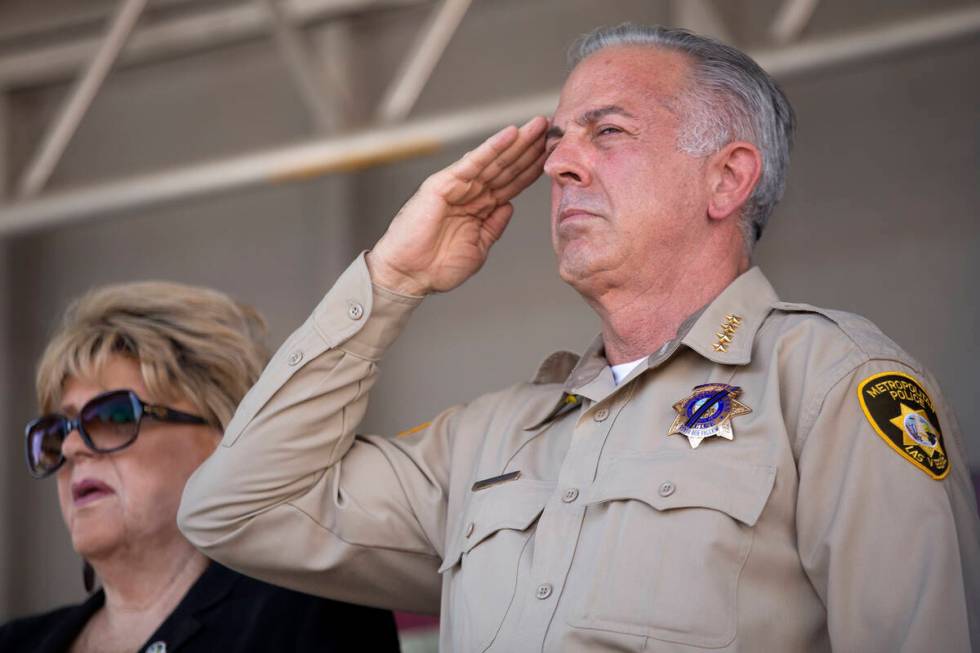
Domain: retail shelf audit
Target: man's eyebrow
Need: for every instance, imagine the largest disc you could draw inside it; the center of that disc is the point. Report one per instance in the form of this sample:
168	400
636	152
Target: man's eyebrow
589	117
594	115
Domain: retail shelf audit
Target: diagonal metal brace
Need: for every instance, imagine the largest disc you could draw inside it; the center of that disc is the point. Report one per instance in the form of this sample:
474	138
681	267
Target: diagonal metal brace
412	77
80	99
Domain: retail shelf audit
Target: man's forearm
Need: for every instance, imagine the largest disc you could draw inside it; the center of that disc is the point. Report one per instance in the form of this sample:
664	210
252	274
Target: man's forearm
300	417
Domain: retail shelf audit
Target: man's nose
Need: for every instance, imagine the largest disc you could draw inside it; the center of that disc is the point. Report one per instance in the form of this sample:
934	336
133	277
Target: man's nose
567	163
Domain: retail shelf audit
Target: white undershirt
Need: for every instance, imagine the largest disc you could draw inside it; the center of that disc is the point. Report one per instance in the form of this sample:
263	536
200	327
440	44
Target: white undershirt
622	370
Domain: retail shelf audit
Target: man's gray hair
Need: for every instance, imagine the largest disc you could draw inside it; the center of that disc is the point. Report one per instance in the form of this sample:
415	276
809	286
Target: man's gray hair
731	98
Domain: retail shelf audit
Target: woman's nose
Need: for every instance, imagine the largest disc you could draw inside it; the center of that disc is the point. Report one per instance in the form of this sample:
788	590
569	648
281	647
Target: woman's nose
73	445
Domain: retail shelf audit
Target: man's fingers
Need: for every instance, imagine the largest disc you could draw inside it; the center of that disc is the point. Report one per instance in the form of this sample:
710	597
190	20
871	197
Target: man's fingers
527	177
475	161
530	136
523	171
527	158
470	176
494	224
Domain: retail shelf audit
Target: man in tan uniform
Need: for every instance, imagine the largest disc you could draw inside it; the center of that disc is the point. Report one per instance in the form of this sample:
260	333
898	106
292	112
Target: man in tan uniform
720	470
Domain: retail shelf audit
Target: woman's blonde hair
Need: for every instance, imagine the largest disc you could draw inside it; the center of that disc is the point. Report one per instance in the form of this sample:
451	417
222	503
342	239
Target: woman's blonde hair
191	343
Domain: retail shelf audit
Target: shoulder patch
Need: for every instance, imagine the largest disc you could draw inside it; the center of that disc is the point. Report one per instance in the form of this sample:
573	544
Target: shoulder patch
902	413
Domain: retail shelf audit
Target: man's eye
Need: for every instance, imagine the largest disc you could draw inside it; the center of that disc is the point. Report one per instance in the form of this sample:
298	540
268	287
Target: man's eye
606	130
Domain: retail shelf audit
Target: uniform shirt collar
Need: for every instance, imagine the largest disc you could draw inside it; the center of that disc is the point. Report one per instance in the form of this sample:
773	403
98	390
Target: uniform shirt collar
748	299
591	366
741	307
593	378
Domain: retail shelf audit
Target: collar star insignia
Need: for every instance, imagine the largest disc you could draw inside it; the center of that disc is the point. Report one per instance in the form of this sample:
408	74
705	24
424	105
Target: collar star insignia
727	333
708	411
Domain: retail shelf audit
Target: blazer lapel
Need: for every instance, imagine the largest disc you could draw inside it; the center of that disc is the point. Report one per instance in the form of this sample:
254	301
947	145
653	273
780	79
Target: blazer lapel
186	621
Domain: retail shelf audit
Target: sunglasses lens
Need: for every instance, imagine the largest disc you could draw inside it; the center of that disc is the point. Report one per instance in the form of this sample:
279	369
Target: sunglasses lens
111	421
44	444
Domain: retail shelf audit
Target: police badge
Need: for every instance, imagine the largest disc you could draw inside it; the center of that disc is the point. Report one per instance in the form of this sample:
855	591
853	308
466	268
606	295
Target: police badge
708	411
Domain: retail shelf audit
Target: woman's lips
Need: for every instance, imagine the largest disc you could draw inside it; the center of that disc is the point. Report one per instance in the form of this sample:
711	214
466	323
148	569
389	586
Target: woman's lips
89	490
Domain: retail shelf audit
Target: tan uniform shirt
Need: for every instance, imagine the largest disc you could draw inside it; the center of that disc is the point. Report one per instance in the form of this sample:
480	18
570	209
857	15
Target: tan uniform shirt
807	531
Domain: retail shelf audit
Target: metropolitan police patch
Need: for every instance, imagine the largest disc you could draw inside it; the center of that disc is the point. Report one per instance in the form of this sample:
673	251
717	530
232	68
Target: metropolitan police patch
902	413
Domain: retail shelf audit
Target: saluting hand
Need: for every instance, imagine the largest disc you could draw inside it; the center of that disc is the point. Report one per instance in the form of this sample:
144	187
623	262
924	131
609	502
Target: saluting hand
443	234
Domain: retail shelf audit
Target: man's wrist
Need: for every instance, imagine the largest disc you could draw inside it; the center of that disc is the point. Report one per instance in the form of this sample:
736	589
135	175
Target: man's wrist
385	276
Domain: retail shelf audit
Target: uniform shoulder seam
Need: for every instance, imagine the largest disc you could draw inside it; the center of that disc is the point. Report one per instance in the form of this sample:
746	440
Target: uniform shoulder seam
862	332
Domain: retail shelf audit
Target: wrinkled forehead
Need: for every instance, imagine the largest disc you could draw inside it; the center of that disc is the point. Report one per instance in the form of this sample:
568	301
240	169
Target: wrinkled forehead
629	76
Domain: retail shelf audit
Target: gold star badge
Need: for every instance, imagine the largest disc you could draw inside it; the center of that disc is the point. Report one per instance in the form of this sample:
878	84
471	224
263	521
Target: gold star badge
708	411
915	427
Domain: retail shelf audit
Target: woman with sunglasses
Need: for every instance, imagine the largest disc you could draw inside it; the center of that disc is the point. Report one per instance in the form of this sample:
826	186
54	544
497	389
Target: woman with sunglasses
135	390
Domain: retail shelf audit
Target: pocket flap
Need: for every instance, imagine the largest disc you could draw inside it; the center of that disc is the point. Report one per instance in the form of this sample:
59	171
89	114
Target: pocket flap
736	488
514	505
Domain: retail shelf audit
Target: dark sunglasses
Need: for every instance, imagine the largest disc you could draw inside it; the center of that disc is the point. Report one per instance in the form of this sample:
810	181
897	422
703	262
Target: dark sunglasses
107	423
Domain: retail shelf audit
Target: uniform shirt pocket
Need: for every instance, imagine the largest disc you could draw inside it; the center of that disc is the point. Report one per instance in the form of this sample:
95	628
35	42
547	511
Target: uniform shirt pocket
484	555
663	543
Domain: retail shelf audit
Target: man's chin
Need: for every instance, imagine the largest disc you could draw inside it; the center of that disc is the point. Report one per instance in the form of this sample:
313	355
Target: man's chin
578	270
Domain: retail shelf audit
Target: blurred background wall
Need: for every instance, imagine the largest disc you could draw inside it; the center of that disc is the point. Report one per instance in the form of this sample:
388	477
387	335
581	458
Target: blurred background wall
881	214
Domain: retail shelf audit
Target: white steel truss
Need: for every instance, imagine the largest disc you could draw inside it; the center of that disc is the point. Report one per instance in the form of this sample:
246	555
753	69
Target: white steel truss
387	142
80	98
191	31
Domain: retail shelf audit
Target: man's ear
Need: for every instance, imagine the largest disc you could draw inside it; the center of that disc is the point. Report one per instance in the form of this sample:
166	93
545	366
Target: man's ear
733	172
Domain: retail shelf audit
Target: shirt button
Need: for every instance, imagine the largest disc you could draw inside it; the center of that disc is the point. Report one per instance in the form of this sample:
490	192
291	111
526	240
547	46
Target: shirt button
355	311
666	489
157	647
295	357
570	495
601	414
469	529
544	591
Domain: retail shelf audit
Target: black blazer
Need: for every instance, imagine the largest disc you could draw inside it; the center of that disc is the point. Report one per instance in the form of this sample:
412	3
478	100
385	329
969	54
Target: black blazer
225	611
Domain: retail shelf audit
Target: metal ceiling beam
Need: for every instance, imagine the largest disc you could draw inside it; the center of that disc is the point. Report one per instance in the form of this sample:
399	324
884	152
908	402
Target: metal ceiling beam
19	26
829	51
412	77
791	19
4	145
200	30
292	163
700	16
301	64
333	44
417	137
79	99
